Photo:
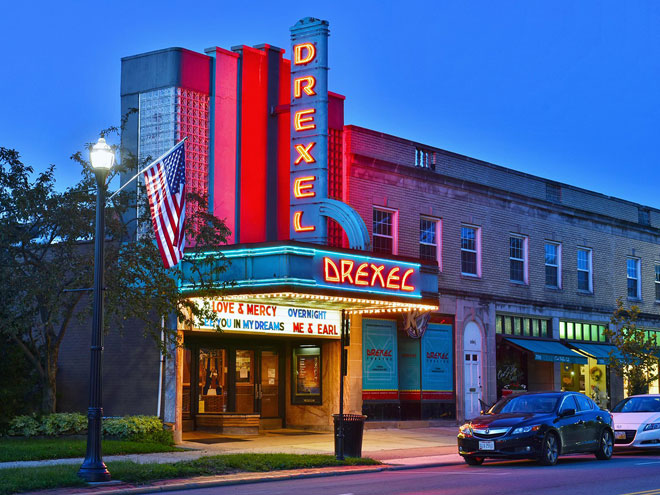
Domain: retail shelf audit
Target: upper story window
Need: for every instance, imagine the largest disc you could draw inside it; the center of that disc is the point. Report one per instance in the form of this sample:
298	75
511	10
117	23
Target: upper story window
584	269
430	235
424	158
518	259
385	231
634	279
553	265
657	282
575	330
470	250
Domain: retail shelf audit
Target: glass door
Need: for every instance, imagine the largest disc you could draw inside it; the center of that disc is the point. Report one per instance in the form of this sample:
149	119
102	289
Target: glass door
245	381
269	385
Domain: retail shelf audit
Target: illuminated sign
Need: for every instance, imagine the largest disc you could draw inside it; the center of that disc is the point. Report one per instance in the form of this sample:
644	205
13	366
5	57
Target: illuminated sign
270	319
368	274
309	129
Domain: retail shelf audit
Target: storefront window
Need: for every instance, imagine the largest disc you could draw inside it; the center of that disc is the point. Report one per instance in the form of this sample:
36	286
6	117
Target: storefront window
589	379
212	381
306	368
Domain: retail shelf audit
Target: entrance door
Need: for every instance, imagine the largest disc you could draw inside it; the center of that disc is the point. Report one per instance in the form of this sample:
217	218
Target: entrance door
472	369
245	391
269	386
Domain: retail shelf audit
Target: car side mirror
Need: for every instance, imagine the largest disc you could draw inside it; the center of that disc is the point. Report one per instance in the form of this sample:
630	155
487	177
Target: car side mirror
567	412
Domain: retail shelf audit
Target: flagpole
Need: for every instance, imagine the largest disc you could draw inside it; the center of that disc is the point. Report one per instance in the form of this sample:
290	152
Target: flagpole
145	168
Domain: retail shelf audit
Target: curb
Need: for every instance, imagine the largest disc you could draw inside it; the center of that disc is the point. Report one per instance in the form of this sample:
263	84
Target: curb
269	476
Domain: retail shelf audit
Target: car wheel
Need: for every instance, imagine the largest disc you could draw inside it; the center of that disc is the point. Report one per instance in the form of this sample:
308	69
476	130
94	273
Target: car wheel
605	446
473	461
549	450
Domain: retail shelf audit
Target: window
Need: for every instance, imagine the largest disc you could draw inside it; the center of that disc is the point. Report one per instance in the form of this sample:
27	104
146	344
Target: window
521	325
424	158
470	250
552	265
518	259
584	269
657	282
571	330
569	403
430	235
584	403
384	228
553	192
632	266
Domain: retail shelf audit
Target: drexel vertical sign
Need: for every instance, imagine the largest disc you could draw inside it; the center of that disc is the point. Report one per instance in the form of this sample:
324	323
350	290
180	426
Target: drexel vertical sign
309	129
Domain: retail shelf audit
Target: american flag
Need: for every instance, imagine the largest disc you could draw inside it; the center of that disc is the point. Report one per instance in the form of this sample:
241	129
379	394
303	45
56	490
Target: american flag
166	189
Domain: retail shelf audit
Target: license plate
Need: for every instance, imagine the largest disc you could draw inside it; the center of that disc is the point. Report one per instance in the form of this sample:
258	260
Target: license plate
488	445
620	435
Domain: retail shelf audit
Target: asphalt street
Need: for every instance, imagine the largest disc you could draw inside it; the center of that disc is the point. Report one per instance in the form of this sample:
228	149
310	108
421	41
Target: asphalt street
626	474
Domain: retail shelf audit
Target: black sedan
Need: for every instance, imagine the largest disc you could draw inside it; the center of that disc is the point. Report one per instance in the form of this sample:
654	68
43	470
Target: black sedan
538	426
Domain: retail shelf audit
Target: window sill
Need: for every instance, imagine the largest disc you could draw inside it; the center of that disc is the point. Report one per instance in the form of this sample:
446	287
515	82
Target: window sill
516	283
585	293
469	276
635	299
553	288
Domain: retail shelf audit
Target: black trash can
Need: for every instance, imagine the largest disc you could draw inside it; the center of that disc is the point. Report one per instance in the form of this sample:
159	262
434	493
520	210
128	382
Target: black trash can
353	428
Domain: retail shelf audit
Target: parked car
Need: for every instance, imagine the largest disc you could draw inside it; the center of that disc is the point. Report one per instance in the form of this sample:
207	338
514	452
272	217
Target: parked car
539	426
637	422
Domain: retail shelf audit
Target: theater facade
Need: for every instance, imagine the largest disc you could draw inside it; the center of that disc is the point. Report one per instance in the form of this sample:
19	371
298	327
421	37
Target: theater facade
457	281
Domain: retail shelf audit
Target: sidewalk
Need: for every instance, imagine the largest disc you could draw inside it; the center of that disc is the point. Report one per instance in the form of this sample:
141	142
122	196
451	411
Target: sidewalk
395	448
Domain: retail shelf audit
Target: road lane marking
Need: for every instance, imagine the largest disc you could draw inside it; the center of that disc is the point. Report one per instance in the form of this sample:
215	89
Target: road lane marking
655	491
645	463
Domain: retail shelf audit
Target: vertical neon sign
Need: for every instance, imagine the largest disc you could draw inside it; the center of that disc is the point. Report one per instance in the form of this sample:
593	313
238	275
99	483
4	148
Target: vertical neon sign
309	129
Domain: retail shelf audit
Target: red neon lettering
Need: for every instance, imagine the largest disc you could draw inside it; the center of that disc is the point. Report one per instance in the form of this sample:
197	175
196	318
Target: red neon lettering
304	153
327	265
299	86
303	120
407	274
377	270
346	267
393	277
361	273
301	188
297	223
298	50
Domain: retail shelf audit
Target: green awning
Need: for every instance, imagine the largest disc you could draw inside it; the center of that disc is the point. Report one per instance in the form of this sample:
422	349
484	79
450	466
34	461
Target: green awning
545	350
601	352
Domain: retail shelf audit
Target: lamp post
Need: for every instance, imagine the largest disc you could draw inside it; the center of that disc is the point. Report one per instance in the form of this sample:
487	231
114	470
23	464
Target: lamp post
93	468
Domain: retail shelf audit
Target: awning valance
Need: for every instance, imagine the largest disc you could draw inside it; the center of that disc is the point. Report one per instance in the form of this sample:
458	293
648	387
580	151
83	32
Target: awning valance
546	350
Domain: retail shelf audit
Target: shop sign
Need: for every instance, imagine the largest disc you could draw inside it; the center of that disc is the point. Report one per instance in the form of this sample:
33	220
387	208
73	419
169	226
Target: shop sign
437	362
271	319
367	274
380	377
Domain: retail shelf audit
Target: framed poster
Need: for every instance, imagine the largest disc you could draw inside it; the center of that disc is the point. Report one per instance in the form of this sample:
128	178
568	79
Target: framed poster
438	362
306	367
380	373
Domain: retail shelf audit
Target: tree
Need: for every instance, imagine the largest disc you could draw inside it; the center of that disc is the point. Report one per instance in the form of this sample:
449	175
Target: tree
635	360
47	259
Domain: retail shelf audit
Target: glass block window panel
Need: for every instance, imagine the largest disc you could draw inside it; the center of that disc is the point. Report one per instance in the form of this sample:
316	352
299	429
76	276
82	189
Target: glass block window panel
193	123
157	128
552	265
562	329
383	232
632	269
522	325
517	259
469	250
428	239
584	269
498	324
336	235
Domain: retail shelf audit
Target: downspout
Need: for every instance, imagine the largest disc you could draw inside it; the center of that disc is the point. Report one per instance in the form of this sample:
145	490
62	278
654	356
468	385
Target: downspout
162	364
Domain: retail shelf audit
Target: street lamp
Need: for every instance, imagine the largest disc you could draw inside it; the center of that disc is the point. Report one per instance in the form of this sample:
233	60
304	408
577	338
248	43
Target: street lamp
93	468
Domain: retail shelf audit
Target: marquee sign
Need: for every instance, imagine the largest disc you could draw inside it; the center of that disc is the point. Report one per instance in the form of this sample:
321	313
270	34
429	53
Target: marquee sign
270	319
309	129
367	274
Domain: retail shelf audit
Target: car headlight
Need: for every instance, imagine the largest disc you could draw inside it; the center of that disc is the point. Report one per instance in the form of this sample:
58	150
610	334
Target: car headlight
466	429
525	429
652	426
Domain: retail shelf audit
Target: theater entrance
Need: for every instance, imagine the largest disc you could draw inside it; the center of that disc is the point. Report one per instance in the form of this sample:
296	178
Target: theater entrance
235	388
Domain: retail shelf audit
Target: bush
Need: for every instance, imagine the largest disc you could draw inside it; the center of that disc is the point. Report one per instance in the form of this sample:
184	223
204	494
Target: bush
63	424
26	426
138	428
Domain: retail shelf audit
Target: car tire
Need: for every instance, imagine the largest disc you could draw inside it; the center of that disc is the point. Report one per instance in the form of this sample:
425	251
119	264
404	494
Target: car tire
473	461
549	450
605	446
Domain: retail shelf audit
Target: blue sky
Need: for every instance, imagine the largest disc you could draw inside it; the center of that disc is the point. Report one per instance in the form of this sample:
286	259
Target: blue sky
562	89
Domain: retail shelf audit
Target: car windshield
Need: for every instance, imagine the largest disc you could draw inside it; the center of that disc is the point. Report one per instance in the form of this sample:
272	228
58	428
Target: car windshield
638	404
526	404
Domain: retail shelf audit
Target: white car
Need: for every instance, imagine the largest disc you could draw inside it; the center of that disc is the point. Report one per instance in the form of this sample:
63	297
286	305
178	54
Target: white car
637	422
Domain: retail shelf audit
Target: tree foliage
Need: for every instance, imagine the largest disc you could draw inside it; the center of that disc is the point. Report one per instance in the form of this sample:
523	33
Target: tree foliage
47	260
635	360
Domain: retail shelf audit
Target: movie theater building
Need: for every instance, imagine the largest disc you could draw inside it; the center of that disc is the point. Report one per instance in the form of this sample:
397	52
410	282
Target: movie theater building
451	270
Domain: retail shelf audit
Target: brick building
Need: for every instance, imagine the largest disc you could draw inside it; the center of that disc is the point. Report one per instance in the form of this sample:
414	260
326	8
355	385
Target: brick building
512	277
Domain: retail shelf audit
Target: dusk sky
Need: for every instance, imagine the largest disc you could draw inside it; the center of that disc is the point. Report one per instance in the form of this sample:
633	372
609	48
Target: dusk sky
562	89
